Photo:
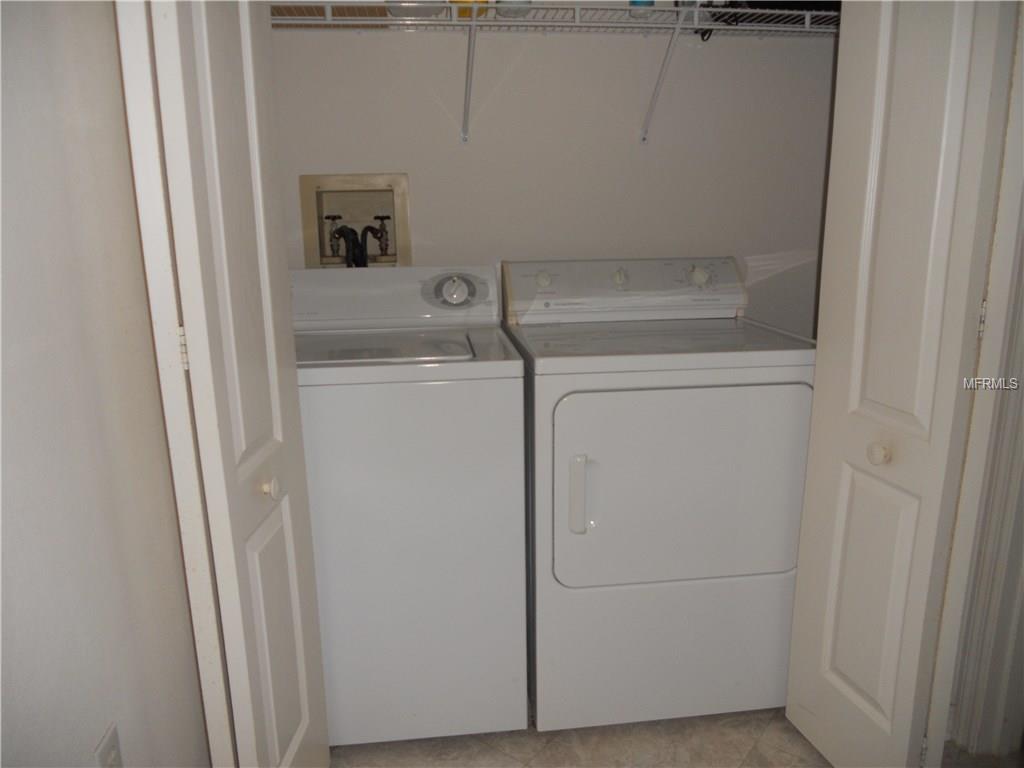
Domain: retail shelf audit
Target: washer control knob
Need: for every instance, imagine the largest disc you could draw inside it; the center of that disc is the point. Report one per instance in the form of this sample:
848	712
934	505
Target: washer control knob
543	279
620	277
700	276
455	291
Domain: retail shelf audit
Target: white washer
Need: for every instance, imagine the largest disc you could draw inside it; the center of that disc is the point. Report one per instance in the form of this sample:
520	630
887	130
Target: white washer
412	417
669	441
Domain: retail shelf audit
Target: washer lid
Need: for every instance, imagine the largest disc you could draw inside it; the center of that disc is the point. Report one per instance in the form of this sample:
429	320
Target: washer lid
658	345
378	357
382	347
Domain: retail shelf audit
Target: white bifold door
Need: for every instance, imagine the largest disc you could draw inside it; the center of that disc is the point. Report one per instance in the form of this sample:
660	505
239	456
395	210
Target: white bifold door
195	84
919	127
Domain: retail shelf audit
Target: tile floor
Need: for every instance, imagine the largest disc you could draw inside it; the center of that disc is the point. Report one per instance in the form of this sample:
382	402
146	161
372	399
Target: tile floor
762	738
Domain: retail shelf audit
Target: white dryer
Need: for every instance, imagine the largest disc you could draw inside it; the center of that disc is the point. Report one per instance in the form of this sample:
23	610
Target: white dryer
669	440
412	420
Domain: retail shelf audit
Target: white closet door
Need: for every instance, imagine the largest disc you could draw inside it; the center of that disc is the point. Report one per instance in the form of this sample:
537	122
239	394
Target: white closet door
920	117
235	307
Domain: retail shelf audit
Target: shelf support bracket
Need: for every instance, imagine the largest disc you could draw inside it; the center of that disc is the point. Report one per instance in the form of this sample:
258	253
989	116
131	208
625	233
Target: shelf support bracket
470	54
661	77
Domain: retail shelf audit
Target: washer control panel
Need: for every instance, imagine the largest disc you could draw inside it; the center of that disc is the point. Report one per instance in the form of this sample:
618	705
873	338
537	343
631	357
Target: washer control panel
394	297
638	289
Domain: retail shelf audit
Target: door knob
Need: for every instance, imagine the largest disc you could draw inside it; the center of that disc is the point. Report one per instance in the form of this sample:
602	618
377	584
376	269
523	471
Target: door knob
879	453
272	488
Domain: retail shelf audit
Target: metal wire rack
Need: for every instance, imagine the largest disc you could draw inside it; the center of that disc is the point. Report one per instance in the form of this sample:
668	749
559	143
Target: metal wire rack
554	17
702	17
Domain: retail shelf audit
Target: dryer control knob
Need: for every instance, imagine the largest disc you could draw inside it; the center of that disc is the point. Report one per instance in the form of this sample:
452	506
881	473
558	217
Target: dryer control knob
620	277
543	279
700	276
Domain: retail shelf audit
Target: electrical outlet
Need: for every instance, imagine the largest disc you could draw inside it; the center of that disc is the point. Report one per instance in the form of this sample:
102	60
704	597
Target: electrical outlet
108	753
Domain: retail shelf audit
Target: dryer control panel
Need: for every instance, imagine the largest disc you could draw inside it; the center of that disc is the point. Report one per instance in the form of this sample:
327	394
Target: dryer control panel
627	289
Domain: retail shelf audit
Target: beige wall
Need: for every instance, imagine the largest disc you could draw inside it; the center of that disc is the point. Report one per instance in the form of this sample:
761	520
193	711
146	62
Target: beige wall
554	166
95	621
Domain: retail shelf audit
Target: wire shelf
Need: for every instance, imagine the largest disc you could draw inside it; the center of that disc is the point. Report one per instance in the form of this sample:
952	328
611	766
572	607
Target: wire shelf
701	17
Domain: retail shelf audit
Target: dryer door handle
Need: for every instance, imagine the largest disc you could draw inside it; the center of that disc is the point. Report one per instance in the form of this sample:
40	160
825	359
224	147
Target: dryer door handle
578	493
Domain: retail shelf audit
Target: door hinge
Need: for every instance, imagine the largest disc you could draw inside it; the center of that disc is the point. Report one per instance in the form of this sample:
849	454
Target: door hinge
924	751
981	320
183	347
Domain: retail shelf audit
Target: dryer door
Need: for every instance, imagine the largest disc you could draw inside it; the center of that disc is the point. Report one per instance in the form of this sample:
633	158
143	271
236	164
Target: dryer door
671	484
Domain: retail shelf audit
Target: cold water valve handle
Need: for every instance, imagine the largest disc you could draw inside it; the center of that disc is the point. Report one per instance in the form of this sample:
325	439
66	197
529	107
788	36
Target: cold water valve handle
382	229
